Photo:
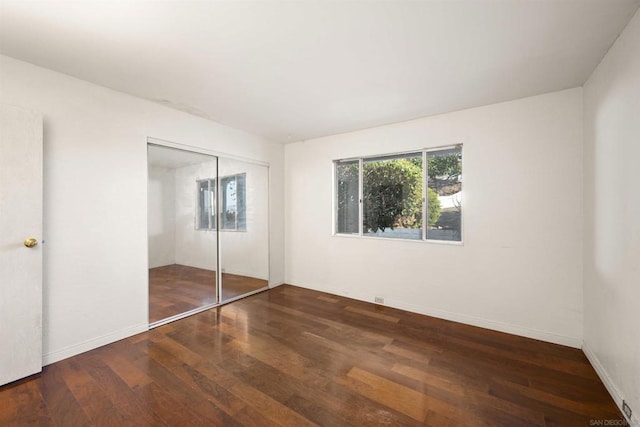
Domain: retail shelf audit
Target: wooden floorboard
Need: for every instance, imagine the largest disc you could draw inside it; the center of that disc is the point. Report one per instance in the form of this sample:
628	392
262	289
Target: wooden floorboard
175	289
295	357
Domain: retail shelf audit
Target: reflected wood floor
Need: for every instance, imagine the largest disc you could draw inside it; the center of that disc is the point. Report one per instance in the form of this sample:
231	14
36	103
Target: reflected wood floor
295	357
175	289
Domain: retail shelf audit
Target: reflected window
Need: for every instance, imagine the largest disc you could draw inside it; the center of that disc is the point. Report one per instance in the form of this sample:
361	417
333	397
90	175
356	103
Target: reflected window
233	212
205	213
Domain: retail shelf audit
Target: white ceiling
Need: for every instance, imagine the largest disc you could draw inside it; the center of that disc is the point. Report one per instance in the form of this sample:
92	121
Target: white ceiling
293	70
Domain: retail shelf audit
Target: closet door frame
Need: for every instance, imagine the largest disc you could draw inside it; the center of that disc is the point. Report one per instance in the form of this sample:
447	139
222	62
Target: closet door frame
218	155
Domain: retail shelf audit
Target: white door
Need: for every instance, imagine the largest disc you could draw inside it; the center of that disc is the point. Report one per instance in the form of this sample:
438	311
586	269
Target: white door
20	246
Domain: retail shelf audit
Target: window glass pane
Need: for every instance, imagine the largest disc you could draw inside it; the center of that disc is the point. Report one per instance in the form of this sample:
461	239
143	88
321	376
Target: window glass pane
229	198
230	195
234	203
444	208
241	190
347	198
204	206
392	196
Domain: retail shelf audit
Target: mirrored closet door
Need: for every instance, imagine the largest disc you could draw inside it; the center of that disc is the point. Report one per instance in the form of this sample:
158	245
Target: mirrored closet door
206	215
244	234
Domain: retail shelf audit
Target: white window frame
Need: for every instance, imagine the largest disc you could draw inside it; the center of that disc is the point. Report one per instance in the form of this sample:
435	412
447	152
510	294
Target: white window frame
425	185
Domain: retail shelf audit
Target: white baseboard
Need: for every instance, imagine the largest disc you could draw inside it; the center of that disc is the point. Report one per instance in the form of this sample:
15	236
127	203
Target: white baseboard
494	325
275	285
615	393
56	356
575	342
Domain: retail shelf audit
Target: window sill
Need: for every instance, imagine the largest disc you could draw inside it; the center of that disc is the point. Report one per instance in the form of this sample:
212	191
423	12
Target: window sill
222	231
395	239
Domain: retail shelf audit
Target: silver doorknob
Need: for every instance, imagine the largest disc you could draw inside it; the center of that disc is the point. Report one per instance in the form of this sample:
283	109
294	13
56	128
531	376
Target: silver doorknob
31	242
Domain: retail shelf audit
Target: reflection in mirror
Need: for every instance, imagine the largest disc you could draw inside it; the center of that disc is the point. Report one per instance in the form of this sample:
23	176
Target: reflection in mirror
181	231
244	237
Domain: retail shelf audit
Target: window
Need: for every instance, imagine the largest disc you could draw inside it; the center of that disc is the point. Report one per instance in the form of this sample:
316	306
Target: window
444	184
234	209
416	196
205	214
392	196
348	196
233	213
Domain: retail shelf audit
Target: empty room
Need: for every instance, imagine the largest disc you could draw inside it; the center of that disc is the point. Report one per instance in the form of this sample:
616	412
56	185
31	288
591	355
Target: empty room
309	212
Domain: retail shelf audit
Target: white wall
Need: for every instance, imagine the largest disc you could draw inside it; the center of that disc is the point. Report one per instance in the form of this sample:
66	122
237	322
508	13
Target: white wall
612	218
195	248
95	199
245	253
162	216
520	268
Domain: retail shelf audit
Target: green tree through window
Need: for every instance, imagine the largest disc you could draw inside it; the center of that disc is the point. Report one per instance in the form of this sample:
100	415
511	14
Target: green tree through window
392	195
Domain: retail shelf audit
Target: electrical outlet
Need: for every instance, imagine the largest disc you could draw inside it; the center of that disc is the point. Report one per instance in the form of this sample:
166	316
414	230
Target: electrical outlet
379	300
626	409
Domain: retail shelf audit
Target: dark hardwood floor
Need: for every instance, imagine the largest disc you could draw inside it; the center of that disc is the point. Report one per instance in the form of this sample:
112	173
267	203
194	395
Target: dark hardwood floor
175	289
295	357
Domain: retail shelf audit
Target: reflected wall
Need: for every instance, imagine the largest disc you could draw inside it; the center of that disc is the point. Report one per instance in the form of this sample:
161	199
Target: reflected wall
244	233
207	230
